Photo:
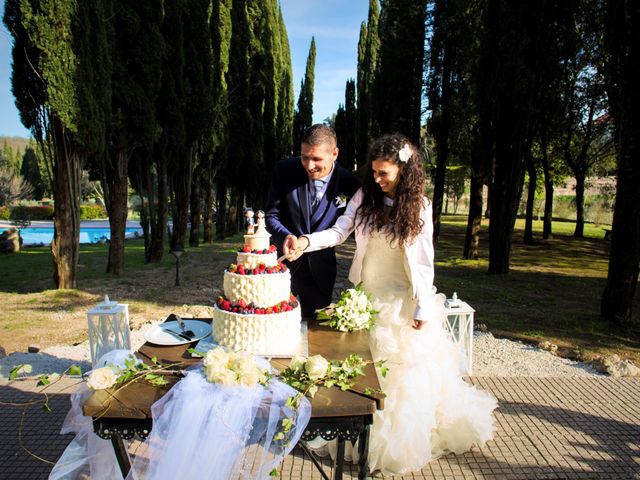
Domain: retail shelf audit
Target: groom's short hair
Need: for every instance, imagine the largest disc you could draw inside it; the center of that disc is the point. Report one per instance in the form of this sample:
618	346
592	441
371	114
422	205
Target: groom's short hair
318	134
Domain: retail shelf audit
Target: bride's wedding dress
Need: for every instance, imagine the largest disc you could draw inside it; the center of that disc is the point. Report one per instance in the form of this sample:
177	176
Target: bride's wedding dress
429	410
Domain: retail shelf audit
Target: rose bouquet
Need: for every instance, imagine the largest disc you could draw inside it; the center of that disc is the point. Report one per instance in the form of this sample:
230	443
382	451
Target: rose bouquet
352	312
232	368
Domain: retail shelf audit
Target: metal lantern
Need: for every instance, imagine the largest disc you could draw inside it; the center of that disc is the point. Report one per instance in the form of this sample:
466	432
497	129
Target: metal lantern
108	328
459	326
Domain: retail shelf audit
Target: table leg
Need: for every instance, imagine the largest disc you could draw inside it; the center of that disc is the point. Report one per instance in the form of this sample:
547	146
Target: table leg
363	451
121	455
339	459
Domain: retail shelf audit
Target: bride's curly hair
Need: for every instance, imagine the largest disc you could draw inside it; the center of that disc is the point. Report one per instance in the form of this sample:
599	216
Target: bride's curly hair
402	222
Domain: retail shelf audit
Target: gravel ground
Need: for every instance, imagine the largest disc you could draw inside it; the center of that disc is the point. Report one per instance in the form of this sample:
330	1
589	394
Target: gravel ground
492	357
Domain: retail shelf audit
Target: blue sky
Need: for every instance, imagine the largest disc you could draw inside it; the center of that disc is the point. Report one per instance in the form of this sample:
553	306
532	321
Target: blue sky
334	23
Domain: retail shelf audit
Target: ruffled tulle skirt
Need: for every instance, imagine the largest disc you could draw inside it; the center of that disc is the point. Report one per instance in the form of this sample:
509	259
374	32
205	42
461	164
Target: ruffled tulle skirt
429	409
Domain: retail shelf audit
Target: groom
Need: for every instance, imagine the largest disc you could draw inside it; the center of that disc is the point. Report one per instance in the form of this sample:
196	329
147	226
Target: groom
307	194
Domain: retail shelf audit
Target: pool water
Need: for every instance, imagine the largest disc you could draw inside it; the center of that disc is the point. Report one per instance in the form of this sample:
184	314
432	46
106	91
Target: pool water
44	235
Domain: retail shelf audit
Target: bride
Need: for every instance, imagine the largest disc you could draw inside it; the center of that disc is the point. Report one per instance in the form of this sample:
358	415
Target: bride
429	410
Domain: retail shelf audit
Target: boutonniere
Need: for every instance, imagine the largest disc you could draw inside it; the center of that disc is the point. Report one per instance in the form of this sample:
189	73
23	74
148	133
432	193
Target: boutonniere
341	201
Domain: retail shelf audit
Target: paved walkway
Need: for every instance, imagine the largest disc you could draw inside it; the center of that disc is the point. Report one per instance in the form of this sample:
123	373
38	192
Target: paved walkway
547	428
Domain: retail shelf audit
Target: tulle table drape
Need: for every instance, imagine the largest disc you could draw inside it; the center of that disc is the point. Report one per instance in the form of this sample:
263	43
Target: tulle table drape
200	430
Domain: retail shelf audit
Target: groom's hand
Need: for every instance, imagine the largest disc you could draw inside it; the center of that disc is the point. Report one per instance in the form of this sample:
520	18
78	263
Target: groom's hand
290	246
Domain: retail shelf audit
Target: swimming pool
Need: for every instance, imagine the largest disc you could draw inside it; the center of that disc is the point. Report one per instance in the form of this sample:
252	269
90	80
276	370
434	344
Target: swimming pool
44	235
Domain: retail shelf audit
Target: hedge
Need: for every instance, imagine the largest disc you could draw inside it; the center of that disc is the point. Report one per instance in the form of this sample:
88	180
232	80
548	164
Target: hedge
31	212
46	212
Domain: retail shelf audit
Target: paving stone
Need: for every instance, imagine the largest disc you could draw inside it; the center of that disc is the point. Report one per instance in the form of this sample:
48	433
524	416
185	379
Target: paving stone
546	428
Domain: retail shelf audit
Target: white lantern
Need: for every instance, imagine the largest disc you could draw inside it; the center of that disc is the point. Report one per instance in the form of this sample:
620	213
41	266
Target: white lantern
108	328
459	326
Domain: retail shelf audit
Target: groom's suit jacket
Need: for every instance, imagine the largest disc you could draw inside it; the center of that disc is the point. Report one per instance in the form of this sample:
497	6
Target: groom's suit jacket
288	212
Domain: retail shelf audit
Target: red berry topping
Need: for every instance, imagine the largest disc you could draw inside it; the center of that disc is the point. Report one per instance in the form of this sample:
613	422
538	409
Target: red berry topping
246	248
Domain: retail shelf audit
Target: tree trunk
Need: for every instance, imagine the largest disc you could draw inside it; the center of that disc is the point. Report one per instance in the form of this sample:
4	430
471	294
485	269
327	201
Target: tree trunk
548	195
221	209
531	196
442	142
624	255
474	220
208	208
181	196
579	230
487	212
235	209
622	87
195	214
117	179
506	188
156	249
65	246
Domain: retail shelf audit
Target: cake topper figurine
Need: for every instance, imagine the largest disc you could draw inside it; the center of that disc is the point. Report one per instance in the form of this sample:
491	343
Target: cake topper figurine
249	222
261	227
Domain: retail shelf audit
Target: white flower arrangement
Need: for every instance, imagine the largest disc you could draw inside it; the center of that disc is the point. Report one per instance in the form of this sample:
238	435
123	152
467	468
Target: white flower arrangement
352	312
405	153
308	374
341	200
232	368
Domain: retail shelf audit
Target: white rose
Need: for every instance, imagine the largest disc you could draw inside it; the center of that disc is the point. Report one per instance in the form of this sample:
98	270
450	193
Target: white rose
211	371
217	356
102	378
316	367
223	376
249	378
297	363
242	363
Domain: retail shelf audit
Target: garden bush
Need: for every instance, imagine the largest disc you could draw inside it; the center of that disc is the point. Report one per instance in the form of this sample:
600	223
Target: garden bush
31	212
92	212
5	214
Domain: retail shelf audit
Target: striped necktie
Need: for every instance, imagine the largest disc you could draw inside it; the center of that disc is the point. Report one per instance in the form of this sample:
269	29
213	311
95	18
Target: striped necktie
318	185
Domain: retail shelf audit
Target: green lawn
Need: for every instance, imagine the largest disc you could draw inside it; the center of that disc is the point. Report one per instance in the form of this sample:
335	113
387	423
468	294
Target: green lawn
552	292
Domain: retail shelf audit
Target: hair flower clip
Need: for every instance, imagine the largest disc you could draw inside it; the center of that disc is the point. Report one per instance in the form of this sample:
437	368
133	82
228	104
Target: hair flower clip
405	153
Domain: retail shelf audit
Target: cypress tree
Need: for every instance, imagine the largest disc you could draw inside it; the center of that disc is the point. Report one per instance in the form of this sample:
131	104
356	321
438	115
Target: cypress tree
284	120
347	145
137	56
221	31
368	49
151	163
241	172
303	117
398	81
53	80
198	115
362	136
31	172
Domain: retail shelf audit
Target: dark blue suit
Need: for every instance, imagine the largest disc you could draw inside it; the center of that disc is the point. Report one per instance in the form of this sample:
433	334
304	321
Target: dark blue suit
288	212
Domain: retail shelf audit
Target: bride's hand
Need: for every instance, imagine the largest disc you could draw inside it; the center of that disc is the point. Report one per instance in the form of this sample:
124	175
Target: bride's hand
417	324
294	247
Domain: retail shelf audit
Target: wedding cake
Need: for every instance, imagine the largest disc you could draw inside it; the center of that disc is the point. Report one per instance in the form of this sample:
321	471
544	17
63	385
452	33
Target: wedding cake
257	313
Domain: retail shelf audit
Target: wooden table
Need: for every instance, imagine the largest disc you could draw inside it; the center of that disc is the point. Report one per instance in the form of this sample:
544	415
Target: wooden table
345	415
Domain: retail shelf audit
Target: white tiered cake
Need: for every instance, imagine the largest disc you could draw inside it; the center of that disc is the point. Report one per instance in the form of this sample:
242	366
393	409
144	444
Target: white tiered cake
257	313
